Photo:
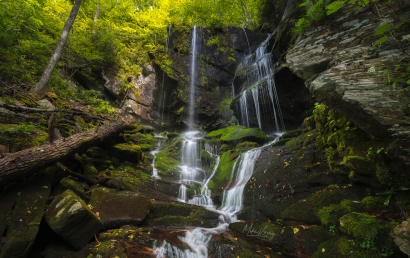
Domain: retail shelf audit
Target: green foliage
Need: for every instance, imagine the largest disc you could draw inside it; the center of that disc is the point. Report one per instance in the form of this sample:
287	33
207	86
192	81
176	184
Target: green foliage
390	193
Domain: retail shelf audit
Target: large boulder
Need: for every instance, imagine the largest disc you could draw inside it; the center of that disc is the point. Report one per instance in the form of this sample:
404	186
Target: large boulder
180	215
118	208
26	216
71	218
127	152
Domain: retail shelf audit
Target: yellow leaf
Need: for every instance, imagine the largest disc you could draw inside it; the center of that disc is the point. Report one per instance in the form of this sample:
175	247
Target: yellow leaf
323	250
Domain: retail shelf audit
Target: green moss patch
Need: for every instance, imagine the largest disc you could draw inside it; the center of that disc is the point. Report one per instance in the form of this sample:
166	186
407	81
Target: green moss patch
306	210
224	171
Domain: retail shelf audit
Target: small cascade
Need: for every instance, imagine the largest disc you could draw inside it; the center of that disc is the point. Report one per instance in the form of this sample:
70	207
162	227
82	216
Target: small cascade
204	199
260	98
191	109
182	193
249	47
154	169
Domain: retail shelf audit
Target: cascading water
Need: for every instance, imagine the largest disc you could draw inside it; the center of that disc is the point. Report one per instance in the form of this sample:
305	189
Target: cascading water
249	47
191	107
197	240
260	88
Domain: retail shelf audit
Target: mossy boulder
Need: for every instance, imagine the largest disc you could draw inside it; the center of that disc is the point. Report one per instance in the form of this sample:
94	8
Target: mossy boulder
307	210
76	187
26	216
127	152
224	147
146	147
180	215
118	208
245	146
71	218
363	166
362	227
224	131
19	137
342	247
238	133
224	171
167	166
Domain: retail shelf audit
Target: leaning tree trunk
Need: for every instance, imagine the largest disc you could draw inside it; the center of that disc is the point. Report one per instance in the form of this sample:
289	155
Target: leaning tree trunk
59	49
24	163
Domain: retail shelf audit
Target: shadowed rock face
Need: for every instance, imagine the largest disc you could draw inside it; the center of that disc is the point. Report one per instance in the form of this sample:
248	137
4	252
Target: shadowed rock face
339	64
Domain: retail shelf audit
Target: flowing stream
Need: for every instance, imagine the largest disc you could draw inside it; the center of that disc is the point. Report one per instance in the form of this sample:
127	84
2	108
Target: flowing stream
198	238
191	170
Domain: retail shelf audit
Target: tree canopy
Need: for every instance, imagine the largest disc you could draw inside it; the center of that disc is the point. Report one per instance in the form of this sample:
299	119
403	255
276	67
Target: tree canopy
120	35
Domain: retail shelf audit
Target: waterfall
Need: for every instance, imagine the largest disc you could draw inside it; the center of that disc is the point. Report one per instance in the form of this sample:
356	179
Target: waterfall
154	169
249	47
182	193
163	81
198	239
191	110
260	87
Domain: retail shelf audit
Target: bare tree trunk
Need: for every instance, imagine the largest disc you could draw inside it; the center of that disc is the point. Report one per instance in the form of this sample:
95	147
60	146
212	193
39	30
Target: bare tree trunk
18	165
97	12
42	84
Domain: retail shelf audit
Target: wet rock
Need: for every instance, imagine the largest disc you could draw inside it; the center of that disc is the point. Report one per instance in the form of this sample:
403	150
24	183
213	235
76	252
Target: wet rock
26	217
128	152
70	217
401	236
118	208
179	215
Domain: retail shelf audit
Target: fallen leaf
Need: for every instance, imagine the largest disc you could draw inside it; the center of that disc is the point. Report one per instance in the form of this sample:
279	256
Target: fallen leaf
323	250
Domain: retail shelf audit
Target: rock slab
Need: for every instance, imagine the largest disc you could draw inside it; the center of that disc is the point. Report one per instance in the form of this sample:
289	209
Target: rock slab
70	217
119	208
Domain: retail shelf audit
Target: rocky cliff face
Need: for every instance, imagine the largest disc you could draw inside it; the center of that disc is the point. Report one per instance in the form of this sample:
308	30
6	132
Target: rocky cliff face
219	51
340	67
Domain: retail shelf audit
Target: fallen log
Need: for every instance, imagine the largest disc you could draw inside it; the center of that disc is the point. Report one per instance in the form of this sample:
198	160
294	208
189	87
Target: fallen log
24	163
42	110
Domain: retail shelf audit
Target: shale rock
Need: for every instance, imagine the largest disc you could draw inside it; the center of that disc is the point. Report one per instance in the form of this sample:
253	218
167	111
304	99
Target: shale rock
339	64
70	217
118	208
